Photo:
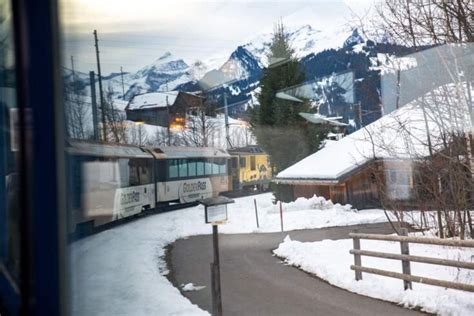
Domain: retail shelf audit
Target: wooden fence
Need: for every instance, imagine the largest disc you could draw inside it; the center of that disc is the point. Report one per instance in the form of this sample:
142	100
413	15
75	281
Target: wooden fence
406	258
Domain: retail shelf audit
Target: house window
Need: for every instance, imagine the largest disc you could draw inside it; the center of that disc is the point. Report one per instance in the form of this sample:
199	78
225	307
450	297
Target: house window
253	165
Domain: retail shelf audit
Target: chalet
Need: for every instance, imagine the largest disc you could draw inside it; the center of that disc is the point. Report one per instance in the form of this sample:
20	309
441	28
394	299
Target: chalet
380	161
161	108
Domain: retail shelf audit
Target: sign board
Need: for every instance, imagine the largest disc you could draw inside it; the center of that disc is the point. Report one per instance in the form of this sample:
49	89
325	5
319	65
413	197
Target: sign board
216	213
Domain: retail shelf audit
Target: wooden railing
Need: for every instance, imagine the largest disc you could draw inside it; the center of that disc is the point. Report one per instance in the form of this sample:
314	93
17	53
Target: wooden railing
406	258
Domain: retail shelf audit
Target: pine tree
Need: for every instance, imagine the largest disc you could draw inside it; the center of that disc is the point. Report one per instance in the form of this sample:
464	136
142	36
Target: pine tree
276	123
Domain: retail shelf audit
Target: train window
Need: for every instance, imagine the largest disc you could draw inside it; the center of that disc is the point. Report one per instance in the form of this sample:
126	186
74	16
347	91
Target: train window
134	174
173	168
242	162
192	165
253	165
222	166
183	168
100	174
208	169
145	172
215	167
200	167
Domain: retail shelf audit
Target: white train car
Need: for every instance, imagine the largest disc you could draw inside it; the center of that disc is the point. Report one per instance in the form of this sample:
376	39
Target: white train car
114	181
188	174
109	182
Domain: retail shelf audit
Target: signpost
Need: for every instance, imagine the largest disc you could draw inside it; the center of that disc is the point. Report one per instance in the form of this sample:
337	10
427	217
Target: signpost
216	214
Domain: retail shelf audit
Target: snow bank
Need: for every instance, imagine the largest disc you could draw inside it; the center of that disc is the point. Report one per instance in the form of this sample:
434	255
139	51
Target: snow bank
330	260
122	271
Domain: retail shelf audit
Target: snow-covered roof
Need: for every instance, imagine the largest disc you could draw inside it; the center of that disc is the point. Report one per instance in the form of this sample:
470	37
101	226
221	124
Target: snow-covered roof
401	134
153	100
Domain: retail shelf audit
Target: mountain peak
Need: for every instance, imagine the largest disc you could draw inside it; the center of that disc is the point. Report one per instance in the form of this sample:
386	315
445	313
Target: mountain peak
165	56
163	59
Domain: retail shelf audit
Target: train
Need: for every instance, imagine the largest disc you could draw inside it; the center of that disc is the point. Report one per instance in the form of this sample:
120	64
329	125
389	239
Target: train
250	169
115	181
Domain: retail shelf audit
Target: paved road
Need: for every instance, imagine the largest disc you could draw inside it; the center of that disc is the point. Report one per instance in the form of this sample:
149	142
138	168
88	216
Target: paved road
256	283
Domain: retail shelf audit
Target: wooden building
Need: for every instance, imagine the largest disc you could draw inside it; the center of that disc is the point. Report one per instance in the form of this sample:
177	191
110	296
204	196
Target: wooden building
380	164
161	108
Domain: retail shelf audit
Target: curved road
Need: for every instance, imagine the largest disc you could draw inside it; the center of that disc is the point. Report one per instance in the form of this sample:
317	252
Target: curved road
256	283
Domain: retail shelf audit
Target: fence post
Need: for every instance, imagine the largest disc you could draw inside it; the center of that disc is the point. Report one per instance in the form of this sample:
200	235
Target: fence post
357	259
281	216
256	211
405	263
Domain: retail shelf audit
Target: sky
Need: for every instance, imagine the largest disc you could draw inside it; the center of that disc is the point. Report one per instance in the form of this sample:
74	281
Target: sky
134	33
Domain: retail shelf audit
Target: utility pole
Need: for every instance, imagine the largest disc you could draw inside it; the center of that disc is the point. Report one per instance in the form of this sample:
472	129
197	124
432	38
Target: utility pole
226	113
101	92
168	134
73	72
74	98
94	105
123	89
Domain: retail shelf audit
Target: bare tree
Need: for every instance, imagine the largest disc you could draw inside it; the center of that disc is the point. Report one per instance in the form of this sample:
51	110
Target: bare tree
241	134
417	23
201	125
429	162
77	111
444	176
116	127
137	135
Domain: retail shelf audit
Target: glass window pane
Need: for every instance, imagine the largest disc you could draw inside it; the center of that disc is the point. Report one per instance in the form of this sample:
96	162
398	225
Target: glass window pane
192	164
208	170
173	168
215	167
183	168
364	115
200	167
223	168
133	170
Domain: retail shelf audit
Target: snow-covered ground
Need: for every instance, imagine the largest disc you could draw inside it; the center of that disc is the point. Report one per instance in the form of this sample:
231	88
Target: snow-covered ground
330	260
123	272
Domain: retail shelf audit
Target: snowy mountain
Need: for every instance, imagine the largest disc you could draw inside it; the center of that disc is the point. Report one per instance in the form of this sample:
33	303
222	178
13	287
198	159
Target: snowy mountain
163	74
242	65
322	51
304	40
